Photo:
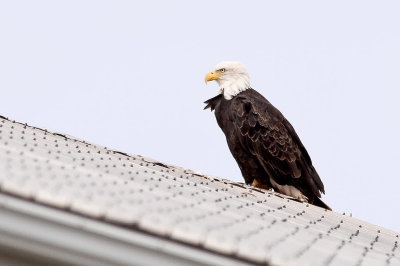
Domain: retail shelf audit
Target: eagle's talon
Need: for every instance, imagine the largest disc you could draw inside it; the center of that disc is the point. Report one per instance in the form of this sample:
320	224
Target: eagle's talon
256	184
302	198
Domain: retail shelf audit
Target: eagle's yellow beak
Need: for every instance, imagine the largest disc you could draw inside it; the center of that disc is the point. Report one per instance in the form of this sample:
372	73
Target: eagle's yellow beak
211	76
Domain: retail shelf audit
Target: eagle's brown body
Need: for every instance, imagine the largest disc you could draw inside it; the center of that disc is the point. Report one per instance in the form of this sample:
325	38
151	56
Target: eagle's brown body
265	145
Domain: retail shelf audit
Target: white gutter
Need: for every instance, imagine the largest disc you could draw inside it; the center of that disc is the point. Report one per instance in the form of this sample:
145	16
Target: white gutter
35	234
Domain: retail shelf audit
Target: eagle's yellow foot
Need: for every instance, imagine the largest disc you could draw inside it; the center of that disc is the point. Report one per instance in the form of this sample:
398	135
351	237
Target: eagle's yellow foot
256	184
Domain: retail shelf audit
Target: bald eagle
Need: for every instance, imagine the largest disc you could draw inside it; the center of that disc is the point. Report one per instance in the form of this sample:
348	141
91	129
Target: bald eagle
264	144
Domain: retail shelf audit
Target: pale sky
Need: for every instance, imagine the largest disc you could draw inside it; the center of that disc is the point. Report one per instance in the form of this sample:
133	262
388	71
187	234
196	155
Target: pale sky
129	75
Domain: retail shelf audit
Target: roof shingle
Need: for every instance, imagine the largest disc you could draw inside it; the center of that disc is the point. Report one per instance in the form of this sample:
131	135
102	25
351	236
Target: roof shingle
170	202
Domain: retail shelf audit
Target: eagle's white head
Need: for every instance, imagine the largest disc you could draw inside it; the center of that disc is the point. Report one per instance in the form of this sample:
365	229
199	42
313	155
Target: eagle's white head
231	77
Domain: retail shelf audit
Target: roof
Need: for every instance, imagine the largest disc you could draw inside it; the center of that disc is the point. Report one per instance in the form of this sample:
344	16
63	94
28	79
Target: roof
66	200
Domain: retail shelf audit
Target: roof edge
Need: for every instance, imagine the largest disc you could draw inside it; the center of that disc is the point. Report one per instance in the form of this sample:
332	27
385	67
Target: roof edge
42	234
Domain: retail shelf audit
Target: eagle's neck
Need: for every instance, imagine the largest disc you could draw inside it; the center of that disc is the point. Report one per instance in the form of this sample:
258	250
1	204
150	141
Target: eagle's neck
233	85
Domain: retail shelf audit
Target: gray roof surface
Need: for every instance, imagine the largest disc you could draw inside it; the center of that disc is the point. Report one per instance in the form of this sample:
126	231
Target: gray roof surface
181	205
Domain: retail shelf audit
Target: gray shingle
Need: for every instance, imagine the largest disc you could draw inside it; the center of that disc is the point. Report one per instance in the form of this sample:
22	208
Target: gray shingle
168	201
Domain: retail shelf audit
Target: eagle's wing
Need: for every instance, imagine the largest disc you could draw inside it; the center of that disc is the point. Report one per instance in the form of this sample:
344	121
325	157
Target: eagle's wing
265	133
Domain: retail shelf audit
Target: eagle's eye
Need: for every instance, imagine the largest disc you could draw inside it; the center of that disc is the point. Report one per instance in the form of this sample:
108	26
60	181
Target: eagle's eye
222	70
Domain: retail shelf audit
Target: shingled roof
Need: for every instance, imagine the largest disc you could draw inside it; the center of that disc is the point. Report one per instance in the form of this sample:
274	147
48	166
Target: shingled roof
68	201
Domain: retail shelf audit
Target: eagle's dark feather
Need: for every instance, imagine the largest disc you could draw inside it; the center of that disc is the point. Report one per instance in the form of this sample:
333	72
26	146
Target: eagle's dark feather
265	145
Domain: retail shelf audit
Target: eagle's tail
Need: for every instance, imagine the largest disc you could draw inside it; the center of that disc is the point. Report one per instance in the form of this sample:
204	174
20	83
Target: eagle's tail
318	202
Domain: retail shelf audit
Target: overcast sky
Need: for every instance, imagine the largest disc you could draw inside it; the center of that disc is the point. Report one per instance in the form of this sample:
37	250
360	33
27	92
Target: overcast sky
130	76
